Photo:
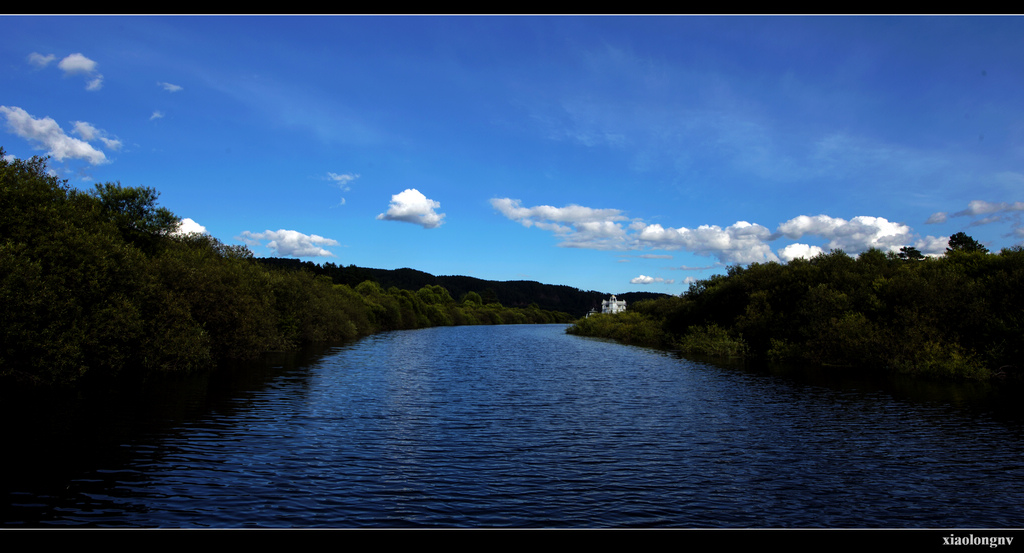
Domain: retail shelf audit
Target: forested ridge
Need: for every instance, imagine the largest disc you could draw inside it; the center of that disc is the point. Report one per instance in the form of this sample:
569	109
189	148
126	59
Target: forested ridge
97	285
511	293
956	316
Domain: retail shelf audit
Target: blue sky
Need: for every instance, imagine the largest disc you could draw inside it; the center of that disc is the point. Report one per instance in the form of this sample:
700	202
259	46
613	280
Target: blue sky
606	153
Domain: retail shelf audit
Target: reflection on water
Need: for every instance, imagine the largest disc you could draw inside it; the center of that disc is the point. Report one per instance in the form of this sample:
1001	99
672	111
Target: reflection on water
516	426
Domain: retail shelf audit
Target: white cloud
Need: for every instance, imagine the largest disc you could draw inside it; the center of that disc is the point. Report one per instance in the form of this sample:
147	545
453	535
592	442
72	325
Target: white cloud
603	229
856	235
741	242
412	206
40	60
156	115
644	279
77	64
573	213
89	132
995	211
188	226
577	226
290	243
169	87
980	207
50	137
794	251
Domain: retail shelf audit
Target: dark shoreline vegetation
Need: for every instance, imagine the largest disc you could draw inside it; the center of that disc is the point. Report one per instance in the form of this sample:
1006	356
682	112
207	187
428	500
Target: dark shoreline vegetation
95	287
959	316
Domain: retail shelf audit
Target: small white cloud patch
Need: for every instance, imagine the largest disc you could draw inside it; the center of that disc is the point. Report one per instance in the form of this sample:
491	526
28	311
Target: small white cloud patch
77	64
796	251
188	226
412	206
644	279
39	60
343	179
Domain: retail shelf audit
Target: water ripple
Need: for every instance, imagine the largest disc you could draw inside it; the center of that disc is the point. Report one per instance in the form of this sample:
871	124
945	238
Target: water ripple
525	426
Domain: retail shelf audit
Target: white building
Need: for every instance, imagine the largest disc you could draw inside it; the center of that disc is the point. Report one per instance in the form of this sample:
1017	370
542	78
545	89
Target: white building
613	305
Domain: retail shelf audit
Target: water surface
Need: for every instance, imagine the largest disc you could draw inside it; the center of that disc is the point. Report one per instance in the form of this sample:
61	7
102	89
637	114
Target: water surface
518	426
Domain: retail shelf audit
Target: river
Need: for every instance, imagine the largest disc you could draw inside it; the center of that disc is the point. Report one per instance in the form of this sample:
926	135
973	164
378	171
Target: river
516	426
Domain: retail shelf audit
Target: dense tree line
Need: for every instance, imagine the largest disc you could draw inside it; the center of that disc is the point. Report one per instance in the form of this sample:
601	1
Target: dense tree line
98	285
513	293
960	315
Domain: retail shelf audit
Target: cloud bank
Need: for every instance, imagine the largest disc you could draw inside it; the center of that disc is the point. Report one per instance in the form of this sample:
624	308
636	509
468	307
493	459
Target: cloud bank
740	243
856	235
290	243
411	206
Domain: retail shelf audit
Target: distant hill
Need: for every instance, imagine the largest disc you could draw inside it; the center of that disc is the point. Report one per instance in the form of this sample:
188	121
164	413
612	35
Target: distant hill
510	293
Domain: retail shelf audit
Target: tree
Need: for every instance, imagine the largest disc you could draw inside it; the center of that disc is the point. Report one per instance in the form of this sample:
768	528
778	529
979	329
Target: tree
960	242
134	211
910	253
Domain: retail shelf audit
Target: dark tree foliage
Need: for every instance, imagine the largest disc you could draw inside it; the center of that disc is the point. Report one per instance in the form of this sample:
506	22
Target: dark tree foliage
910	253
957	316
961	242
135	213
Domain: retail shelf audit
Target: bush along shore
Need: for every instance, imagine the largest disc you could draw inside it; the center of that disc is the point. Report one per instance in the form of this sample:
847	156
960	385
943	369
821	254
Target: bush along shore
98	285
957	316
